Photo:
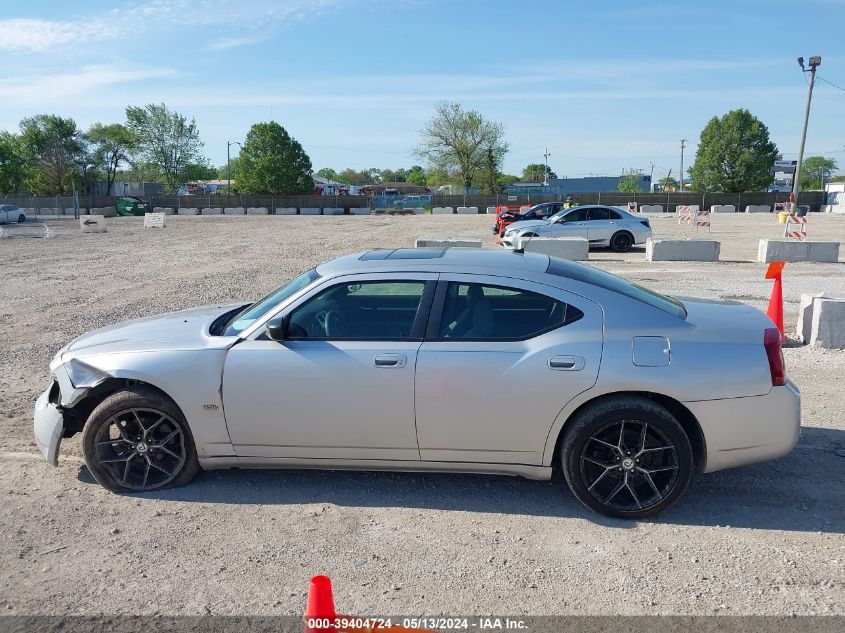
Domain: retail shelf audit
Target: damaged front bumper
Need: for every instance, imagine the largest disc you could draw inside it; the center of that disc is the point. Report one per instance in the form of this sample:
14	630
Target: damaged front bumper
49	427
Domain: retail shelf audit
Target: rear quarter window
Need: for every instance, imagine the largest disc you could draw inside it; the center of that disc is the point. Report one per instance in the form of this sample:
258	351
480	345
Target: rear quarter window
608	281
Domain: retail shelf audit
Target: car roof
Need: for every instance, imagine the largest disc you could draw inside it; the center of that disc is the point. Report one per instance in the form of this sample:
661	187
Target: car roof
448	259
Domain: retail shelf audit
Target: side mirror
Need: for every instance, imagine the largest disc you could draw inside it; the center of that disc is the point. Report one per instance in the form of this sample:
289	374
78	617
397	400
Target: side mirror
277	328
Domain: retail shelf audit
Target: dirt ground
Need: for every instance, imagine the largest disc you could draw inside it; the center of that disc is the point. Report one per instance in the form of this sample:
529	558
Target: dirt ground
764	539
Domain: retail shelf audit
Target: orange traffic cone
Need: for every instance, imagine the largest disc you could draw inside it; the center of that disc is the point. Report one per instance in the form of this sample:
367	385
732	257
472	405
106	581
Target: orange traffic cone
320	605
775	310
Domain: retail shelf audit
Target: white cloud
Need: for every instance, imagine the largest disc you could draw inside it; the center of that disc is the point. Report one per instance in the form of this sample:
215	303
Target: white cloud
40	88
229	43
134	20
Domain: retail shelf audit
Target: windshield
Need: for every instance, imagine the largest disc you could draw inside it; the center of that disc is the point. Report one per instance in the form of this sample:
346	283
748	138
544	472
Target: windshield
255	311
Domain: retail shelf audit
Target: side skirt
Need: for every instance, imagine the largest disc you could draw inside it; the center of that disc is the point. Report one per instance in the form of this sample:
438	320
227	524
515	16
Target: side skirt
541	473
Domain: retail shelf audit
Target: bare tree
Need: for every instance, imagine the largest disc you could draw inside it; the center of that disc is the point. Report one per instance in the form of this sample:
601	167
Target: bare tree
462	141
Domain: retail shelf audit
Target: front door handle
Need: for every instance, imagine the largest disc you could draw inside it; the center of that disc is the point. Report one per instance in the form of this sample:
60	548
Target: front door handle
390	360
566	363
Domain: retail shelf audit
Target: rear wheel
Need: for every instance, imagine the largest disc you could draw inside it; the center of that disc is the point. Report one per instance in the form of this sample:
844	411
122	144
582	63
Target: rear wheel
137	440
626	457
21	218
621	241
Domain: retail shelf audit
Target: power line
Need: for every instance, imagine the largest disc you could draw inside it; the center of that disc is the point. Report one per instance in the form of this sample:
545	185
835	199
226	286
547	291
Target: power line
830	83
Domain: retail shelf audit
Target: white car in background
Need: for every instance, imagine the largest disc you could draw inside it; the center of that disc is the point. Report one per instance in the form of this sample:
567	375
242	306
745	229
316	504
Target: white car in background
10	213
601	225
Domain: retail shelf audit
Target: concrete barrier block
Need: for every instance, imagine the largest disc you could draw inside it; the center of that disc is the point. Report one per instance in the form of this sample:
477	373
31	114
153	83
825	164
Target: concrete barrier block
468	210
805	316
154	220
212	211
442	242
234	211
285	210
49	211
828	326
257	211
92	224
577	248
758	208
333	211
360	210
69	211
722	208
491	210
782	250
692	250
651	208
443	210
310	211
164	210
188	211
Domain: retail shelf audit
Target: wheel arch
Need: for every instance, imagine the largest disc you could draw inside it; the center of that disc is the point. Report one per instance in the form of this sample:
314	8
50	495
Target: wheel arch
685	417
76	416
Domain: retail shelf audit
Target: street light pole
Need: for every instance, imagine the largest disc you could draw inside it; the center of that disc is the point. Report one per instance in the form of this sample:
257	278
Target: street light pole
229	166
546	172
681	177
815	62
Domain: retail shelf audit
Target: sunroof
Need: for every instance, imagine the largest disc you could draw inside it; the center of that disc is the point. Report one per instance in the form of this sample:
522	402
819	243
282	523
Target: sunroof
417	253
378	254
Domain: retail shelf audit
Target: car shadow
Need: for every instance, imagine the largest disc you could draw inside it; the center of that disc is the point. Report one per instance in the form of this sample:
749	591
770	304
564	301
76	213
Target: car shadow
800	492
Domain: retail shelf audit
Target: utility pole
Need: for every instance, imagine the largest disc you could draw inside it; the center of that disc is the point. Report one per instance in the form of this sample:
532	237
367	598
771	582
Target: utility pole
229	166
681	177
651	179
546	171
814	62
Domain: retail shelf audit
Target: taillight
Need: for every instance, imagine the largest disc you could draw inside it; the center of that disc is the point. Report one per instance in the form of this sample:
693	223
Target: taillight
777	366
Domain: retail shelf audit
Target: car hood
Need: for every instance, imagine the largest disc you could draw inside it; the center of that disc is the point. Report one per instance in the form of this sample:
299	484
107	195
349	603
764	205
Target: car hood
186	329
526	224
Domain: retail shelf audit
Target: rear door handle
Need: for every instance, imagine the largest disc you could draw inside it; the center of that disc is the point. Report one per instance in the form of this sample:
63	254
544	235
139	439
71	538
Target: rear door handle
566	363
390	360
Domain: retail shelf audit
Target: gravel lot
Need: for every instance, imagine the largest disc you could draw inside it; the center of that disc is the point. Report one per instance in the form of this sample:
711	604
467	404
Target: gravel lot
765	539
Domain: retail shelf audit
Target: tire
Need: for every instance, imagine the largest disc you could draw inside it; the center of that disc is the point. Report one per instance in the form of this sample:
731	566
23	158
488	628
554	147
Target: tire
616	483
21	218
621	241
137	440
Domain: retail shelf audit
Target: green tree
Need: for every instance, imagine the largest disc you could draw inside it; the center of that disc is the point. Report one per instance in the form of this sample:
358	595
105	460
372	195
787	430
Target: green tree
53	145
416	176
815	171
223	172
533	172
13	163
491	173
166	139
734	154
631	181
667	182
457	140
199	170
328	173
507	179
111	147
272	162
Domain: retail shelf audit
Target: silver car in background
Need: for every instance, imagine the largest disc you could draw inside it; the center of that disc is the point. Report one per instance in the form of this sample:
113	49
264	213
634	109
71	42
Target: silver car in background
459	360
601	225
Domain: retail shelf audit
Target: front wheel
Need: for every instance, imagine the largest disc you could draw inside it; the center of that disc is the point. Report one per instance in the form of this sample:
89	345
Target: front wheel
21	218
621	241
626	457
137	440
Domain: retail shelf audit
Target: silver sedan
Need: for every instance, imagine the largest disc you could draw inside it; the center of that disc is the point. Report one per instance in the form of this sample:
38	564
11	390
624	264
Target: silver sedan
459	360
600	225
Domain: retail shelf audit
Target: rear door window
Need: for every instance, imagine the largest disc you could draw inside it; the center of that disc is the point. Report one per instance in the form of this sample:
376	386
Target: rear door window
491	313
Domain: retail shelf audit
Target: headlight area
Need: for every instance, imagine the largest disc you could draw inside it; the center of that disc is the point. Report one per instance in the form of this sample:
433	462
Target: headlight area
84	376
